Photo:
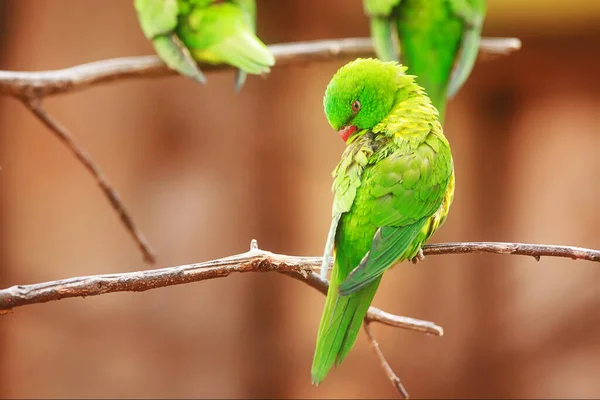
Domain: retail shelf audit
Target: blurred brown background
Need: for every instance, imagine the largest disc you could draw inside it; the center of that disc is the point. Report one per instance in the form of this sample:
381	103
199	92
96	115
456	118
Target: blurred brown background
204	171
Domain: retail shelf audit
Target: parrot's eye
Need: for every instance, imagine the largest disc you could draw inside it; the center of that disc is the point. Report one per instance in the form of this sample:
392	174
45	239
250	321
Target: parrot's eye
355	106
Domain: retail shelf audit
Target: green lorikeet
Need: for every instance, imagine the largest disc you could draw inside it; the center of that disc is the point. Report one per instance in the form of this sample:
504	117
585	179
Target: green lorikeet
393	188
210	31
439	40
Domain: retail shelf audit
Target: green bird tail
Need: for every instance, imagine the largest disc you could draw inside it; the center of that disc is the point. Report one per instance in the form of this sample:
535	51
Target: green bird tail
170	49
466	60
246	52
340	323
383	34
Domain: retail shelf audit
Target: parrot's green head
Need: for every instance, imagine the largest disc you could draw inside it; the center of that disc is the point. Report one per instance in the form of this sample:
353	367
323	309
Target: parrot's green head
361	94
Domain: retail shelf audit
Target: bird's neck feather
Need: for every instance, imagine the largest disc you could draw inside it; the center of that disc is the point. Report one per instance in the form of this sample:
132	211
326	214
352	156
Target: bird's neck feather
404	124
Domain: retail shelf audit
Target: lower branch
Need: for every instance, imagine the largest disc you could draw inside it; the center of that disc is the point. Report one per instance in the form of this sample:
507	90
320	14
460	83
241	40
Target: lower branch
255	260
35	106
522	249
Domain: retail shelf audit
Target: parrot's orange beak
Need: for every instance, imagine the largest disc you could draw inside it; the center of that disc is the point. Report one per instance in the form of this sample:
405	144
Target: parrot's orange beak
347	131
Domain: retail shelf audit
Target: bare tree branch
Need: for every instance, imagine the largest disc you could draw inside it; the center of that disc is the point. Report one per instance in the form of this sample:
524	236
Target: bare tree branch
255	260
47	83
35	105
522	249
389	372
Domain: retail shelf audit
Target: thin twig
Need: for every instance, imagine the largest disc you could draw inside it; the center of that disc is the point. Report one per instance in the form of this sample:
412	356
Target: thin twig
255	260
35	105
389	372
47	83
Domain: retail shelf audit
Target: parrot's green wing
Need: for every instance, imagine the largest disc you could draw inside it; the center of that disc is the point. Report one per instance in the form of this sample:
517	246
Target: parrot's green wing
382	28
246	52
407	190
472	15
380	7
390	245
174	53
248	8
158	19
220	34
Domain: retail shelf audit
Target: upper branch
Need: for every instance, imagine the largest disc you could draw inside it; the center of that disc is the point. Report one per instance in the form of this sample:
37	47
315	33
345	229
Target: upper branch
46	83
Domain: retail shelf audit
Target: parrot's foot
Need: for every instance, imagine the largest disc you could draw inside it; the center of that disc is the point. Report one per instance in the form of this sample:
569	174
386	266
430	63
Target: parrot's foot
419	257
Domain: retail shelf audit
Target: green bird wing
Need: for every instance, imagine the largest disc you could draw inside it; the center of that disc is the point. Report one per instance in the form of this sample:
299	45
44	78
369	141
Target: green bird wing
381	8
158	19
472	14
347	180
248	8
406	189
218	33
382	28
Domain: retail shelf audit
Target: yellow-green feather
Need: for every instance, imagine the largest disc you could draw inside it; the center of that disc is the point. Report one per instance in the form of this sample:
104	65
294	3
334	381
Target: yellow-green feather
220	33
184	32
158	20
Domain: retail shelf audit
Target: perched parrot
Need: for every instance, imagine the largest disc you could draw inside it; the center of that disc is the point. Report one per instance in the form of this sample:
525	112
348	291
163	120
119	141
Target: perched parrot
210	31
438	39
393	189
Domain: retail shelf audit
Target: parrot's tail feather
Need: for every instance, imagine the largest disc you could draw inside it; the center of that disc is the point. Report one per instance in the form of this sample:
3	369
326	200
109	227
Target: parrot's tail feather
466	60
177	57
366	297
383	36
340	324
245	52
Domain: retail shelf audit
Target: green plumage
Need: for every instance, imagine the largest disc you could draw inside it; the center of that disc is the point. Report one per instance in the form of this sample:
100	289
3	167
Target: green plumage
438	39
393	188
210	31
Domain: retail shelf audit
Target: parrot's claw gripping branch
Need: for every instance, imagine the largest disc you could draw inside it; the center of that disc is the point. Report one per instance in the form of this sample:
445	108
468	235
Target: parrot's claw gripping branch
256	260
419	257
